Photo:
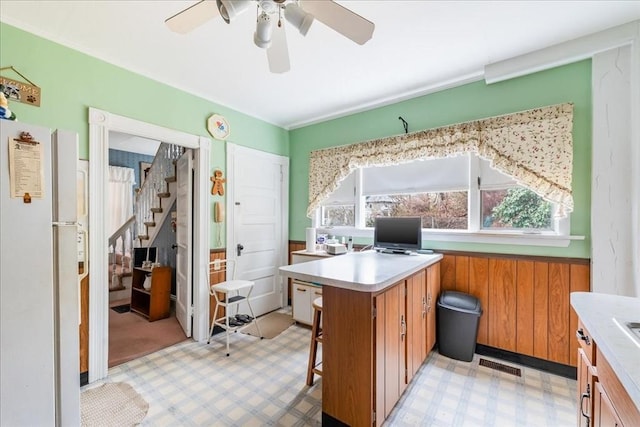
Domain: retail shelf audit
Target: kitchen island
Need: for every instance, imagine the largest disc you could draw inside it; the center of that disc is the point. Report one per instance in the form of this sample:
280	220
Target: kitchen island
608	358
378	327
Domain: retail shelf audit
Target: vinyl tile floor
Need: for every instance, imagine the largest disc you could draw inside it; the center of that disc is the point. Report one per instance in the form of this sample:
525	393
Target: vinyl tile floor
263	383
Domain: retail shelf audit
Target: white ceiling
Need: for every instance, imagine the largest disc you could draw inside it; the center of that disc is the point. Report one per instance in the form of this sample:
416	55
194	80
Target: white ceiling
133	144
416	46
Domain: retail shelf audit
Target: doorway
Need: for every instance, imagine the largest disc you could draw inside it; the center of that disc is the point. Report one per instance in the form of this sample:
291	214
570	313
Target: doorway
131	157
100	124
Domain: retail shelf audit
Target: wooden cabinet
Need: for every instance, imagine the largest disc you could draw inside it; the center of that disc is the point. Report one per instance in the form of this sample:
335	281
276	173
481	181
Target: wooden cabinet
585	375
154	304
433	291
585	387
602	400
392	321
302	296
417	306
391	326
604	414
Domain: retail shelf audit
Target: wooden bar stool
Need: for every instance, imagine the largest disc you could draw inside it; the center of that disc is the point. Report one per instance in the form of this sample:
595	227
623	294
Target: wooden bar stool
316	337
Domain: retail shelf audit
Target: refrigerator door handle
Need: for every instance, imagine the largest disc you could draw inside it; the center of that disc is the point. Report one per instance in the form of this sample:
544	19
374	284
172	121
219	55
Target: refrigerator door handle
64	224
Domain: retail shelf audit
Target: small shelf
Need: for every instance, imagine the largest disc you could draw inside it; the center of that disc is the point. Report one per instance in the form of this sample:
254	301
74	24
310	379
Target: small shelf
154	304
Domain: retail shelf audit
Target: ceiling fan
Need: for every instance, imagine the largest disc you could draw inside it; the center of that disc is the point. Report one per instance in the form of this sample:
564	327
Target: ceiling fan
270	33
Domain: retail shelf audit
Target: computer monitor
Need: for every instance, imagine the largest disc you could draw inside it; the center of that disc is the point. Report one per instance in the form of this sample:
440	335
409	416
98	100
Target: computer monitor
397	234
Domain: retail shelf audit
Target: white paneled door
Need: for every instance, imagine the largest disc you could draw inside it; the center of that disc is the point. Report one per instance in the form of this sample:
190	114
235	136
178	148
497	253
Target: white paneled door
257	231
184	242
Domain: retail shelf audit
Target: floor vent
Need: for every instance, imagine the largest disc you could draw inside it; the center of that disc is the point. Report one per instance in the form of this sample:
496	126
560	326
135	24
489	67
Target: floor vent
500	367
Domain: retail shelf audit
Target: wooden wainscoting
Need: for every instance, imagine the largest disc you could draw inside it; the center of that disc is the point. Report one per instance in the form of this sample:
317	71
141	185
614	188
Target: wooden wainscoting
214	278
525	300
84	329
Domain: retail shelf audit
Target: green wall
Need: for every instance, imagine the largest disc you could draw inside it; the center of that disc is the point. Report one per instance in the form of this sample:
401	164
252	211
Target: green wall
571	83
71	82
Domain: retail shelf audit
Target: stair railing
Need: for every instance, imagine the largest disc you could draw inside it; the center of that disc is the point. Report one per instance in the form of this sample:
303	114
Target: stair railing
123	234
147	197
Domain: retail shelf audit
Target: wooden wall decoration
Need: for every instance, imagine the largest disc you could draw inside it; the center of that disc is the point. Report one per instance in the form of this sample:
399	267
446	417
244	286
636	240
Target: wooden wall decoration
19	91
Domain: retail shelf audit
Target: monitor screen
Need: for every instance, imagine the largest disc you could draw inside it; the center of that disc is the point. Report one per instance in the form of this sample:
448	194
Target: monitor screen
398	233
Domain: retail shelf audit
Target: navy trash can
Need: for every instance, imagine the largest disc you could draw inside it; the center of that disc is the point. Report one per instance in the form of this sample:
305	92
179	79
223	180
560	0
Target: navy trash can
458	318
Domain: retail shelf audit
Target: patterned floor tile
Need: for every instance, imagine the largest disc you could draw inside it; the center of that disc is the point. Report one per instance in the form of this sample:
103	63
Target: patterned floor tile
263	383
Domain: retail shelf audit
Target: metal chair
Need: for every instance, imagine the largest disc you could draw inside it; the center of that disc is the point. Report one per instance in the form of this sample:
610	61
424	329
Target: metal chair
228	294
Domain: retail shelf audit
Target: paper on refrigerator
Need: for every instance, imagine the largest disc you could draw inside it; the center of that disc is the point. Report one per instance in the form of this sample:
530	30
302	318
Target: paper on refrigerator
26	170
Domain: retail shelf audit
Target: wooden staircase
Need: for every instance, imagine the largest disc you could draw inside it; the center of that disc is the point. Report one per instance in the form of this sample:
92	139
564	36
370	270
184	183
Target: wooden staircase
158	213
157	194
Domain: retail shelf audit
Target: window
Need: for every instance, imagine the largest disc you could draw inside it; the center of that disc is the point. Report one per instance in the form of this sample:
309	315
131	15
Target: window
456	194
447	210
340	208
516	208
338	215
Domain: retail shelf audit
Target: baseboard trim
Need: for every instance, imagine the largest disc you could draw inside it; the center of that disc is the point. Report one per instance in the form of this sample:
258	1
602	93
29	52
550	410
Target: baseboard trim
329	421
532	362
84	378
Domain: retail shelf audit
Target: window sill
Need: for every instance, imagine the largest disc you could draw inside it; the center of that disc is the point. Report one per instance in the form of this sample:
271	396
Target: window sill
504	238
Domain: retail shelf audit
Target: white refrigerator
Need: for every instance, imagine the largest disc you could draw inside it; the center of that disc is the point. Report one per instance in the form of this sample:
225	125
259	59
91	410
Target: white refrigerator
39	349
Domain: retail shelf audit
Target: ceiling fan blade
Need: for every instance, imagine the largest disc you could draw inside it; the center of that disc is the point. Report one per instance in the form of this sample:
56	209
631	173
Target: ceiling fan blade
341	19
193	16
278	52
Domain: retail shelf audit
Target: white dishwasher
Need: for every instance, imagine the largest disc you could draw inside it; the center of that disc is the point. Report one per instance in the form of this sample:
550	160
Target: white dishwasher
303	293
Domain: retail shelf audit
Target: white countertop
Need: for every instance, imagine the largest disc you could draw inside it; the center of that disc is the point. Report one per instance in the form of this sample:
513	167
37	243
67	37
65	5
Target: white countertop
604	316
368	271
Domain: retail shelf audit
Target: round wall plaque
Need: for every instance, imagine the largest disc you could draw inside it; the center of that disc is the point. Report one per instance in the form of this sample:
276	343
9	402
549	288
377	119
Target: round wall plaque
218	127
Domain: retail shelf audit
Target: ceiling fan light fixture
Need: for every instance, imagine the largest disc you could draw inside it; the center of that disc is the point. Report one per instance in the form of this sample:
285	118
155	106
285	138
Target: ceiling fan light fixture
298	18
229	9
262	36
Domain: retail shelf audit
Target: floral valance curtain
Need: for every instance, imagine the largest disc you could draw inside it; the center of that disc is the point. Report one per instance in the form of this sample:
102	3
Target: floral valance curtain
535	147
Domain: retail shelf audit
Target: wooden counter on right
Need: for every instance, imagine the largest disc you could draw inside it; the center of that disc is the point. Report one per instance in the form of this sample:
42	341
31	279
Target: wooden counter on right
608	360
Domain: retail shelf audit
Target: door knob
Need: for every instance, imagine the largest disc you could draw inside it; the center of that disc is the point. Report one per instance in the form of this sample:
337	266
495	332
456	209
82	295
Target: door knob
239	249
174	246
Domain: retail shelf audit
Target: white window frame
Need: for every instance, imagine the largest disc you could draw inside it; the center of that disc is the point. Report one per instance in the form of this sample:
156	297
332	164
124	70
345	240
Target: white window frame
559	237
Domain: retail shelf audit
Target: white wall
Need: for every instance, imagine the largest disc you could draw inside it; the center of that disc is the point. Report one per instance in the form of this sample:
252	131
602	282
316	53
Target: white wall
612	187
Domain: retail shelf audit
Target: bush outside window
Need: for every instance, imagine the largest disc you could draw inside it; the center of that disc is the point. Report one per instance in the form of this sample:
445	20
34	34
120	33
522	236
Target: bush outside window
515	208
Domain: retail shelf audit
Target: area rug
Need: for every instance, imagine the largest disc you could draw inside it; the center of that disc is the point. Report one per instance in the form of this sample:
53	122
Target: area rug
112	404
271	325
124	308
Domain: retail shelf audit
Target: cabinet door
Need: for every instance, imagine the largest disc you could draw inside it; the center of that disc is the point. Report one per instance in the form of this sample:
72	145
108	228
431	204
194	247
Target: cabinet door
604	415
393	342
416	323
433	290
585	391
301	302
